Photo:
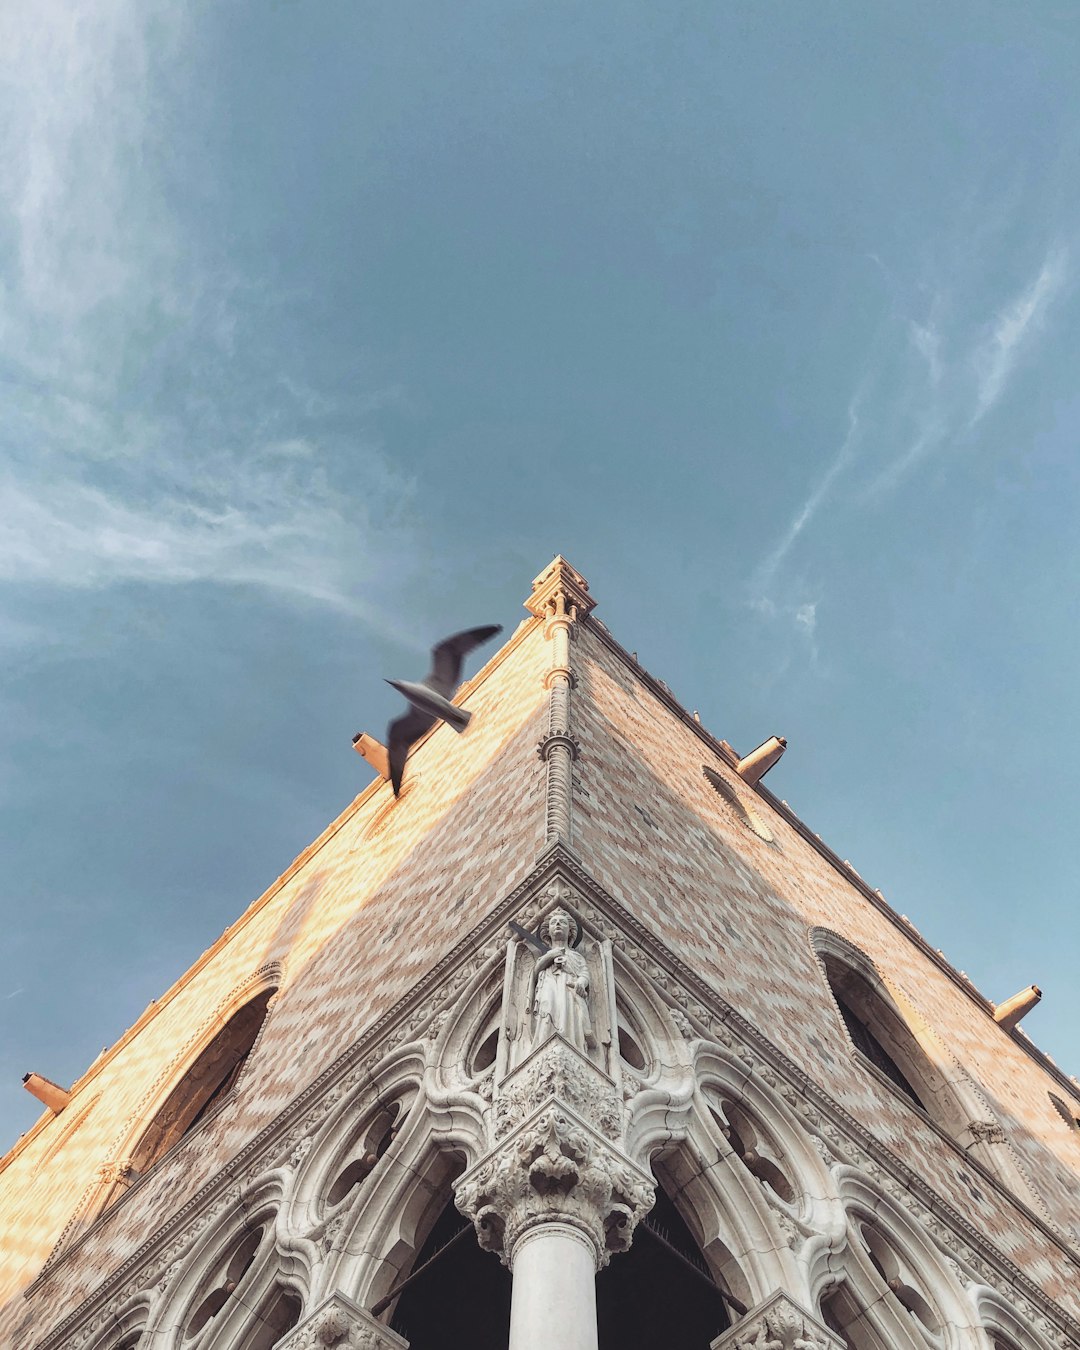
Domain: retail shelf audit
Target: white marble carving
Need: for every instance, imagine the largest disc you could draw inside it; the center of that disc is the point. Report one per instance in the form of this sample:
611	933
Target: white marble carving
341	1324
778	1324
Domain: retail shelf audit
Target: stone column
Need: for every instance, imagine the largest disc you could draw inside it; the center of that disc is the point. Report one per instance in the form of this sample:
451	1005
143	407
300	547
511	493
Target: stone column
555	1195
554	1297
561	596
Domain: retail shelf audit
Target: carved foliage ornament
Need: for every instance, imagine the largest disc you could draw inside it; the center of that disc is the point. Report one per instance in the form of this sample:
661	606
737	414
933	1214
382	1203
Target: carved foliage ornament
340	1324
558	1070
555	1169
778	1324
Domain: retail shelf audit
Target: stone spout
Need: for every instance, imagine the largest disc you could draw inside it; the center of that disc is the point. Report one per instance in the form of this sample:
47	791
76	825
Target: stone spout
374	752
754	766
1009	1013
51	1094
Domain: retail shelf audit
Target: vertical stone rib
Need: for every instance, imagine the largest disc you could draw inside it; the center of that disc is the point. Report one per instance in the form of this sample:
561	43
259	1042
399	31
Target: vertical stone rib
560	596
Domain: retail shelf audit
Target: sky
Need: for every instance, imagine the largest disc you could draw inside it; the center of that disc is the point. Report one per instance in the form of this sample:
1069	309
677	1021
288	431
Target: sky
325	325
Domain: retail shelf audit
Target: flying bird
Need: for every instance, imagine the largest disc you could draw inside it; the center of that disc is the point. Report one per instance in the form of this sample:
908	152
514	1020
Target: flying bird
431	697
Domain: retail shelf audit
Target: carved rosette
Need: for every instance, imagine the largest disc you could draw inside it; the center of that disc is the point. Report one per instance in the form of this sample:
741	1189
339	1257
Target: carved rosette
341	1324
778	1324
554	1167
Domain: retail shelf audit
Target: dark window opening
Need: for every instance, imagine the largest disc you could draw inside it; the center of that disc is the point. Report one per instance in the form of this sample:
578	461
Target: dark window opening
206	1083
868	1044
630	1050
461	1299
485	1056
650	1296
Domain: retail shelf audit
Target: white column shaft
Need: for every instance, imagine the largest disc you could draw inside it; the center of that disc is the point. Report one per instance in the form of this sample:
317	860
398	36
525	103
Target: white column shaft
554	1296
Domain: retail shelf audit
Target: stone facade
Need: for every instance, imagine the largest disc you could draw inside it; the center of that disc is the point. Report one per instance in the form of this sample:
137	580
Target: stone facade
683	1024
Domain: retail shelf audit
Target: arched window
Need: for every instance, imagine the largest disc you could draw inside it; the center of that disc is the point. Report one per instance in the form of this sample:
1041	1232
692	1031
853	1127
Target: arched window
205	1084
876	1027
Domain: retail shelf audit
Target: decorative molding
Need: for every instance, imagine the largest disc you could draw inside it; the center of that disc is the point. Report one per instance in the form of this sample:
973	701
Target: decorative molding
558	1070
837	1135
341	1324
779	1323
555	1168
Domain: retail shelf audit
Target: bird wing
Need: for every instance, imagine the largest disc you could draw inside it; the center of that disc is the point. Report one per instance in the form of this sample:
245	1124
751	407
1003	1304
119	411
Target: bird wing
401	735
447	657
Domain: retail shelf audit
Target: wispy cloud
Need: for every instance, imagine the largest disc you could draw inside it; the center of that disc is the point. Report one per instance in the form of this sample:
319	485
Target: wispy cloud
921	398
995	359
104	292
819	494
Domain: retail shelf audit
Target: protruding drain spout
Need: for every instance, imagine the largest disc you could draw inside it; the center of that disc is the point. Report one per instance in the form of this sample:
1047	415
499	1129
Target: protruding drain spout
1009	1013
53	1096
754	766
373	751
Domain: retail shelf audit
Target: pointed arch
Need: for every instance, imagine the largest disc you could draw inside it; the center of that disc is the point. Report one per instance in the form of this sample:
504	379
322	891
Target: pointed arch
187	1091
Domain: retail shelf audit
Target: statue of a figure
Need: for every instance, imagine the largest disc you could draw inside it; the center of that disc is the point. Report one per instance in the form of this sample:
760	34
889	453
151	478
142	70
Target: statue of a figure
559	989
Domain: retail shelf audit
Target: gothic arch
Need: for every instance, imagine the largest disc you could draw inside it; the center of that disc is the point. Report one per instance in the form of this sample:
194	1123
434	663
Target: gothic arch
1002	1326
899	1276
925	1070
134	1141
232	1269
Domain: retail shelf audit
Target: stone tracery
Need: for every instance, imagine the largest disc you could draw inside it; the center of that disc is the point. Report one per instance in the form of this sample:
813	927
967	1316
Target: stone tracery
557	1161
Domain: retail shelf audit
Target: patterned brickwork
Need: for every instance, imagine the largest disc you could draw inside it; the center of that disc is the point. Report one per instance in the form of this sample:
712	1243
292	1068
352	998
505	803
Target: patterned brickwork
730	887
353	929
740	911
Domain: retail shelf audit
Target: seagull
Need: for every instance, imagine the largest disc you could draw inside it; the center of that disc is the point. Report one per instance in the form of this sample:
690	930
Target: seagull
431	697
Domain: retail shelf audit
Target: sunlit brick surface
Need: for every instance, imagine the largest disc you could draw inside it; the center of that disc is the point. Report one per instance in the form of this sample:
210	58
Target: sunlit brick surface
373	906
354	928
739	911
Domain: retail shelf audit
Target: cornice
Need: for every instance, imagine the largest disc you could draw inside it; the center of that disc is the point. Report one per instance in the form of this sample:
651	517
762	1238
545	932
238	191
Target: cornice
724	752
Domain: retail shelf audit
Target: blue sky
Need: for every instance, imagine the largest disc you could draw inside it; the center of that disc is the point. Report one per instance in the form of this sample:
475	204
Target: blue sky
324	325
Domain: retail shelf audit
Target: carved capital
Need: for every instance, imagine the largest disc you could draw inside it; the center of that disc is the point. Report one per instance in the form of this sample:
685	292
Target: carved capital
554	1168
778	1324
554	738
341	1324
559	592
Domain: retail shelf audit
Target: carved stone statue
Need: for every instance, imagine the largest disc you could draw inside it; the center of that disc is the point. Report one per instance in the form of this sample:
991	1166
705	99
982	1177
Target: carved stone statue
559	990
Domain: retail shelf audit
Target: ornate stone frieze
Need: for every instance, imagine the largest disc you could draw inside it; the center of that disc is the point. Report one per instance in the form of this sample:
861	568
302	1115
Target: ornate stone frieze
778	1324
558	1070
554	1167
341	1324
